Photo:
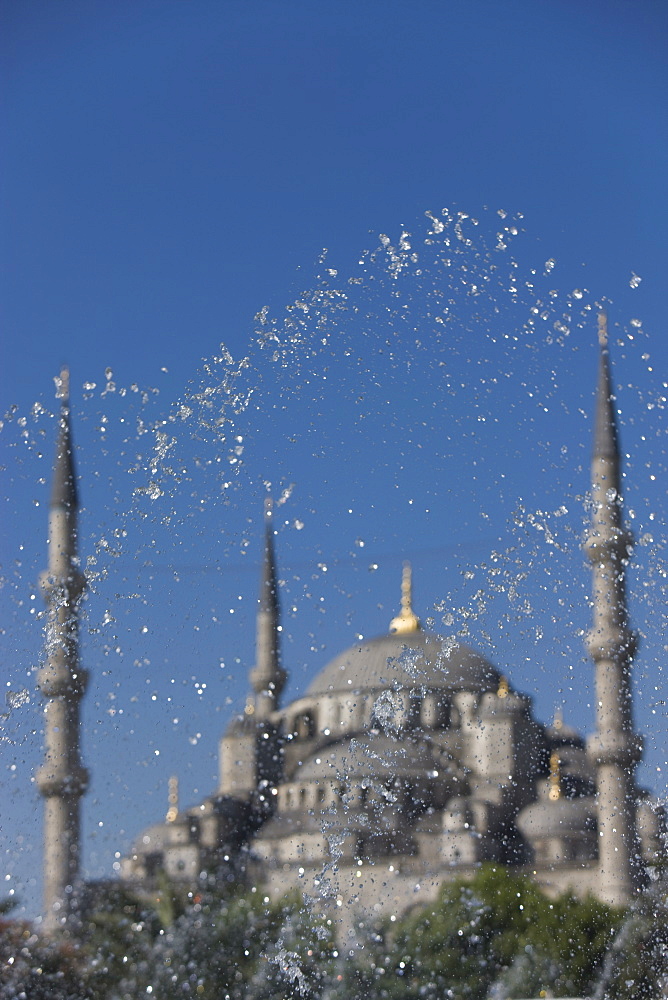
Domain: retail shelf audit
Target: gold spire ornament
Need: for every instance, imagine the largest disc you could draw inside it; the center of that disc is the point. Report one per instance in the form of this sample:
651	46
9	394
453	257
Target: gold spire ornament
503	689
173	798
554	780
406	621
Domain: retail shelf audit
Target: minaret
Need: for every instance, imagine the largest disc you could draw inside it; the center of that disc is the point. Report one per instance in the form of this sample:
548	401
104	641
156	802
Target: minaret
267	676
250	750
61	779
614	748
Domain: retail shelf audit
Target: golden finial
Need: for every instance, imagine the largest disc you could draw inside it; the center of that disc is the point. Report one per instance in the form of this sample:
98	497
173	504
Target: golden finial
558	721
406	620
62	382
603	328
173	798
555	778
250	706
503	689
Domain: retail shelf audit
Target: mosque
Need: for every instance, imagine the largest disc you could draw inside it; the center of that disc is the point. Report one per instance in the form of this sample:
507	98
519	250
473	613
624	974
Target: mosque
408	761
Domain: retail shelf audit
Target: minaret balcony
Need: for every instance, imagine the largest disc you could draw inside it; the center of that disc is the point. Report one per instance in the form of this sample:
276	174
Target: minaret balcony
68	587
57	680
608	543
622	749
52	782
269	678
612	643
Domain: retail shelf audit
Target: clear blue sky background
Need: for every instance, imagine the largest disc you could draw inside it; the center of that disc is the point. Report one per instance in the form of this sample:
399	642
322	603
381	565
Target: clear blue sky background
170	170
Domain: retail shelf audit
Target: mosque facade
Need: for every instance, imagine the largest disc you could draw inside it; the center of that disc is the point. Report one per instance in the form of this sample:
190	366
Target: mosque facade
411	759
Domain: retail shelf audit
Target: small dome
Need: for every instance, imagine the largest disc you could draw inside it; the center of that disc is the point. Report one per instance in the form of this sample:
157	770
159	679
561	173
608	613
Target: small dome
412	660
557	819
563	734
154	839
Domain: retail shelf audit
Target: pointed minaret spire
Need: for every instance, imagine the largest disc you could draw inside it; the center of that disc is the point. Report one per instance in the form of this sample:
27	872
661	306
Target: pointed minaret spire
611	643
61	779
606	439
64	488
267	676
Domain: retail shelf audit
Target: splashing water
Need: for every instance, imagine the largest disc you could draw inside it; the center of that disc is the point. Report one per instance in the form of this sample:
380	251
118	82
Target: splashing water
433	400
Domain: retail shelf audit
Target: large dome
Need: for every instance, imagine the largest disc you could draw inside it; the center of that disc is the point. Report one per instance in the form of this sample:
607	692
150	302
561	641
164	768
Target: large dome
415	659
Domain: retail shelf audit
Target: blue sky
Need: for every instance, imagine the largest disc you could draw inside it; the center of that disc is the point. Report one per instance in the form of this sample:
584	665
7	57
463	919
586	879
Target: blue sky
170	170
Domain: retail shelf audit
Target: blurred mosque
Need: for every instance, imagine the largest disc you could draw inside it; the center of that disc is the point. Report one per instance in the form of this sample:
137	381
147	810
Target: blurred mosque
408	761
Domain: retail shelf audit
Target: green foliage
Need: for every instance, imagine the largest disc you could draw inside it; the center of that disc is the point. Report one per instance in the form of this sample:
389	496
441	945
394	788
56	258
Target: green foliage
491	934
37	969
573	935
299	960
461	942
116	937
211	943
492	937
636	965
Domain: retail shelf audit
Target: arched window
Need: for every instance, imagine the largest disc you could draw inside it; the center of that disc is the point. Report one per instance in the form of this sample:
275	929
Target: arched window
304	727
436	711
415	709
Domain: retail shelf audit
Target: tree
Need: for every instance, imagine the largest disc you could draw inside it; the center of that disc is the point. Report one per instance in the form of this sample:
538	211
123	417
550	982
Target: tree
636	965
489	938
486	935
212	942
34	967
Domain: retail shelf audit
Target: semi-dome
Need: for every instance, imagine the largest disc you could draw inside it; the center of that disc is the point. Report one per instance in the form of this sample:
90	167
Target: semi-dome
415	659
378	756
